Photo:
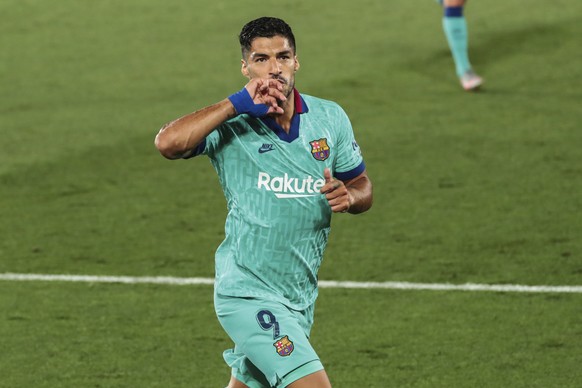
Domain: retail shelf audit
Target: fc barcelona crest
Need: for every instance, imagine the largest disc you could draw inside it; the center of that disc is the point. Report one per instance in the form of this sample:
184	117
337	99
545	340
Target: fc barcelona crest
319	149
284	346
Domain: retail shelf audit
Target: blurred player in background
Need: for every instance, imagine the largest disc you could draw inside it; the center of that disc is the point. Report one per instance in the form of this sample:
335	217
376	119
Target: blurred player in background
286	161
455	27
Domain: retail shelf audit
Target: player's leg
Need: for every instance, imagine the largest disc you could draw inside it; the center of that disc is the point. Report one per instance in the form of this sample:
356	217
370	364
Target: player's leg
315	380
271	344
318	379
455	28
234	383
244	374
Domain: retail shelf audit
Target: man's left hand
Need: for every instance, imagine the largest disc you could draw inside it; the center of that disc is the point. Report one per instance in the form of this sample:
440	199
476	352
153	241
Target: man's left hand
336	193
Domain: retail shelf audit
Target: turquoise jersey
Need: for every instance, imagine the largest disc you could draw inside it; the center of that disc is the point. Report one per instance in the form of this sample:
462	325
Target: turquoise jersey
278	222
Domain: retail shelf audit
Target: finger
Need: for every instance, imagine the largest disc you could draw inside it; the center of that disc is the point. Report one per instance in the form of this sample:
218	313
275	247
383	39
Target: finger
339	209
276	93
266	99
260	84
275	84
340	203
257	89
339	206
326	188
335	190
332	187
269	84
327	175
269	96
272	102
275	109
263	89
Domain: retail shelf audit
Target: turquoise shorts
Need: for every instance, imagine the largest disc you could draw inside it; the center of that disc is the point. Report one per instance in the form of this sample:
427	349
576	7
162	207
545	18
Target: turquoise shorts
271	341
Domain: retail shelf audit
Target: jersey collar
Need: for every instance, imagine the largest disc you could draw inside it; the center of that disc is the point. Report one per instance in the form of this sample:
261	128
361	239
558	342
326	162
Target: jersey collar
300	108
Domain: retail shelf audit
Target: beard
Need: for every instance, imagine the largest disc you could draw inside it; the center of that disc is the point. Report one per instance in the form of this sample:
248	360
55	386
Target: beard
288	85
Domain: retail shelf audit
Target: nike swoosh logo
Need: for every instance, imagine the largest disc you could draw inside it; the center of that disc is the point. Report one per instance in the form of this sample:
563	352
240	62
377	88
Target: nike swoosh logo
266	148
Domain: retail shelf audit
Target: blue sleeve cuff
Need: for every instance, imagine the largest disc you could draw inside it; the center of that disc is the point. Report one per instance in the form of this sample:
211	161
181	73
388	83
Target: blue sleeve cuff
454	12
196	151
243	103
346	176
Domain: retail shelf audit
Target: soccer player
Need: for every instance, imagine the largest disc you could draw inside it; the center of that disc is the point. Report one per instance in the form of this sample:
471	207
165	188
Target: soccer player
286	161
455	28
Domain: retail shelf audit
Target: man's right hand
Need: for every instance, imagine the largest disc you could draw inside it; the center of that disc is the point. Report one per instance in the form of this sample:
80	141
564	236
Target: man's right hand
259	98
180	137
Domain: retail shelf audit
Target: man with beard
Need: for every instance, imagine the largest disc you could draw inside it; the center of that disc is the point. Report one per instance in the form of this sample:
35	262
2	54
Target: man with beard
286	161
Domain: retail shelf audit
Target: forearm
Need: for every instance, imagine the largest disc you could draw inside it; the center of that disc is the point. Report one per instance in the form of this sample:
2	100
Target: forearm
360	194
182	135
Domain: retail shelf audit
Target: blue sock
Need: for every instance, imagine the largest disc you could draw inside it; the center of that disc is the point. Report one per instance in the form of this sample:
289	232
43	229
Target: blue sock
455	28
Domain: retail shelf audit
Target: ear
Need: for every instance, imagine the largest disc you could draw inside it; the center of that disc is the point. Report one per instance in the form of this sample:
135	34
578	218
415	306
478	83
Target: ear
297	65
244	68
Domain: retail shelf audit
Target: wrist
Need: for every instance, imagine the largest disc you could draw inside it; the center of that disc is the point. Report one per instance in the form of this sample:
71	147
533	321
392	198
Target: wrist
230	109
351	200
243	103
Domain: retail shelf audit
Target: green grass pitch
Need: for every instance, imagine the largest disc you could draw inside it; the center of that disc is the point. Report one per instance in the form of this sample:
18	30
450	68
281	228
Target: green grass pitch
469	187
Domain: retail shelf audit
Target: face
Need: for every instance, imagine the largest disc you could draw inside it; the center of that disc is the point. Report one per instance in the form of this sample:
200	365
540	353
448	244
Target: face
272	58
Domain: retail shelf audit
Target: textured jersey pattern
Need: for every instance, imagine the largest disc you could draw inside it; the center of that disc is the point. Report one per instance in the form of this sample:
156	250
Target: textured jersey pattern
278	223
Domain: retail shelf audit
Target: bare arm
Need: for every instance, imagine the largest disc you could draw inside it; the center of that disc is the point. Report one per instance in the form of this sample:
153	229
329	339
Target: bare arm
179	137
353	196
182	135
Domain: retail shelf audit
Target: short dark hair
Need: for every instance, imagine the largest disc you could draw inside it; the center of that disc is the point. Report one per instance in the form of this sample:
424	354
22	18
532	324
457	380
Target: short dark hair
264	27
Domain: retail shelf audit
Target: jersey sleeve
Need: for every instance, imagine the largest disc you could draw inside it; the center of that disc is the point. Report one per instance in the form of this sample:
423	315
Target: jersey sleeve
206	146
349	162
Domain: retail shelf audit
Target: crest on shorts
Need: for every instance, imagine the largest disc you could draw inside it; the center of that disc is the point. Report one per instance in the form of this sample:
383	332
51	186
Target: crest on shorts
320	149
284	346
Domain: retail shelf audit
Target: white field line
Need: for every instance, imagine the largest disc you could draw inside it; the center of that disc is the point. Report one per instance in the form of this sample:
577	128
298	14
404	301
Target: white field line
322	283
